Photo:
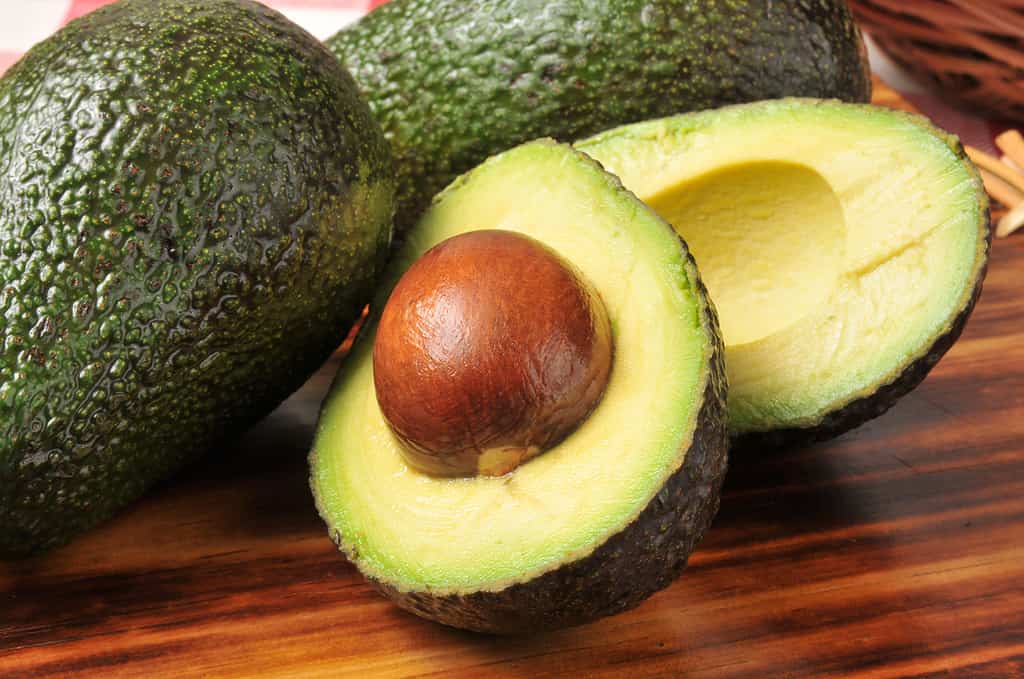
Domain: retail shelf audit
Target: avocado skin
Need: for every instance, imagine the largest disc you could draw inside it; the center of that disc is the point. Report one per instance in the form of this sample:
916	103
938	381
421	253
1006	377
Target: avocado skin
453	82
644	557
193	206
877	403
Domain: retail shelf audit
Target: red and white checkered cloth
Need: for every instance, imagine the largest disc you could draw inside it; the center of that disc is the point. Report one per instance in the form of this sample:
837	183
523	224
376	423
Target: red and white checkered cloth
25	22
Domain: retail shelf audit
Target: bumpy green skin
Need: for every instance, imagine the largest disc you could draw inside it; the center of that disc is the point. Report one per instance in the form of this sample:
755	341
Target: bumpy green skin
193	205
641	559
453	82
885	396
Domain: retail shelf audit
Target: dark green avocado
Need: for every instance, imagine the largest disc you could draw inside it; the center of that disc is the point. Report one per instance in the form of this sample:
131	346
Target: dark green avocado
453	82
194	203
608	516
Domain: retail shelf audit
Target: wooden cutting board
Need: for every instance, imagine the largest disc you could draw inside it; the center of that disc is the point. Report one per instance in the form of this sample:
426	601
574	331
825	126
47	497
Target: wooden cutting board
895	550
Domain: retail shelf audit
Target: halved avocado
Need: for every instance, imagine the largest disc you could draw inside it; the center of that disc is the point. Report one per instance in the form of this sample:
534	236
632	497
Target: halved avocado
594	525
844	246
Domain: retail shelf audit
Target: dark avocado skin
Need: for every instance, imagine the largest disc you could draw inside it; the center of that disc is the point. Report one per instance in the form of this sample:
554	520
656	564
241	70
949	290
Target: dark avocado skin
453	82
193	205
641	559
873	405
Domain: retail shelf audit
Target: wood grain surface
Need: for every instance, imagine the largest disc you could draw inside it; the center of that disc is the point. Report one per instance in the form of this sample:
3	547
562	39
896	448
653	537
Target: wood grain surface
896	550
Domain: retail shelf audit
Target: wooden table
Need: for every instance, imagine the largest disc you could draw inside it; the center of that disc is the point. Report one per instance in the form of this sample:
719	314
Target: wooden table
895	550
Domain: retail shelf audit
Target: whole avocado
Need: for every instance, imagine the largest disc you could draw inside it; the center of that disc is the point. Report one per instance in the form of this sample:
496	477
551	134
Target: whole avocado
194	203
453	82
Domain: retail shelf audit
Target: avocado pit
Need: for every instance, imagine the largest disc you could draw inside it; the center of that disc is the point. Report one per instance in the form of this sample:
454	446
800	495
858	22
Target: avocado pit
490	350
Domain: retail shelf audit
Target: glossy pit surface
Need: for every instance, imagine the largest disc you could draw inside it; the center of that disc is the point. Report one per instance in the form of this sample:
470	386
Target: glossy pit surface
491	349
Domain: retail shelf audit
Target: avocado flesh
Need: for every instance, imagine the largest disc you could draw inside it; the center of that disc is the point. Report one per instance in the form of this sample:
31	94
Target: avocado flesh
193	208
483	552
453	82
842	245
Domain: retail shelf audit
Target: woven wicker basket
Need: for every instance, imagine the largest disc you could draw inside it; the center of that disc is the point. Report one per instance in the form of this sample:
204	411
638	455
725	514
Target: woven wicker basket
971	51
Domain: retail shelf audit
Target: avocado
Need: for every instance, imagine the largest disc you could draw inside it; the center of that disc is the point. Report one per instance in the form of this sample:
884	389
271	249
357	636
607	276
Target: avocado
194	204
844	246
453	82
600	521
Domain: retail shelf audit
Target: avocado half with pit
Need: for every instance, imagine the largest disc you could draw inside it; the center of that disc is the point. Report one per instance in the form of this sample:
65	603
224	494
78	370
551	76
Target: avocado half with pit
844	247
548	531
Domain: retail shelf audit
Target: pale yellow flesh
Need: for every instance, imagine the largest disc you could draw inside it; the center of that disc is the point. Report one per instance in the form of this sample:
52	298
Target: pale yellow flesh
771	238
420	532
837	242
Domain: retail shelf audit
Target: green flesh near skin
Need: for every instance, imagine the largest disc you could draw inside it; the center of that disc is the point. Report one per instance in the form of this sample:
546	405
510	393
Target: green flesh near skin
415	533
840	243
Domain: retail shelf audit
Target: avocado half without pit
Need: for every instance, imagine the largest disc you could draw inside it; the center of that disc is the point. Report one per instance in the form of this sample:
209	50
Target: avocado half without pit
844	247
530	432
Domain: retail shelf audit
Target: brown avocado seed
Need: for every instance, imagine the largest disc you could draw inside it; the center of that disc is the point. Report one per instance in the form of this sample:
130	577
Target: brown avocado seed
490	350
